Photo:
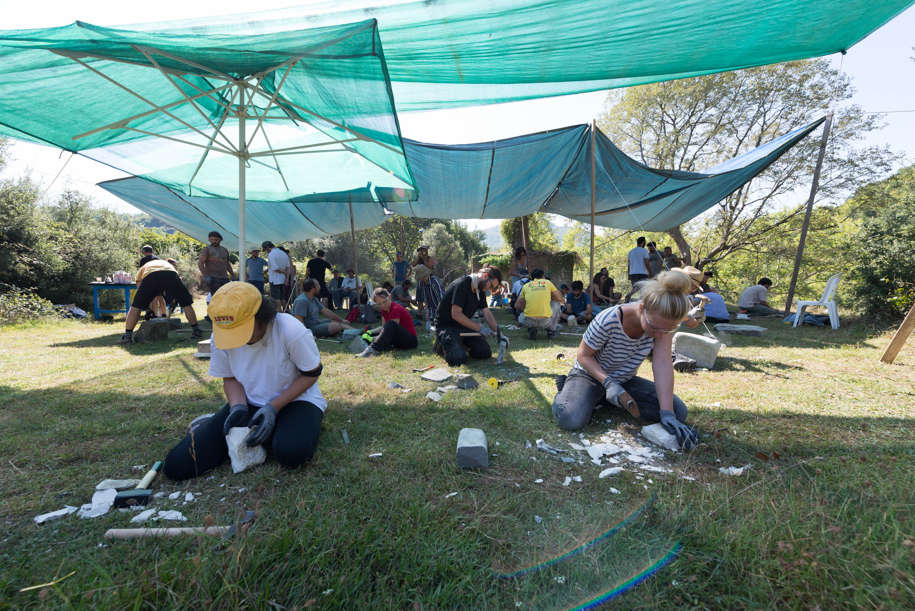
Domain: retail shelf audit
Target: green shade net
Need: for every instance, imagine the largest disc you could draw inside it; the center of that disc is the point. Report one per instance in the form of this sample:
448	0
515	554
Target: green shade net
443	53
163	105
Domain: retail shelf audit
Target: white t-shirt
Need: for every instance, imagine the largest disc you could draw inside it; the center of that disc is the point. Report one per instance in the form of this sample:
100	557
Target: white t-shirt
753	295
277	265
637	258
350	284
268	367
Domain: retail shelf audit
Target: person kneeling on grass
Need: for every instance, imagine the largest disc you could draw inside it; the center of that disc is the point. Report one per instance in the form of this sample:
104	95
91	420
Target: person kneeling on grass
540	303
613	347
578	306
398	331
154	279
309	309
269	365
457	335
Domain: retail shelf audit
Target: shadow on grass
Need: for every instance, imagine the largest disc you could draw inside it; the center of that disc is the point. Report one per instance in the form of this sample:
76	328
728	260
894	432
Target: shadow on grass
731	363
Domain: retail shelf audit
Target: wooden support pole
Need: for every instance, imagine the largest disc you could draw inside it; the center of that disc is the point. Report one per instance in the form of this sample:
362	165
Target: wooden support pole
524	235
813	191
593	192
902	334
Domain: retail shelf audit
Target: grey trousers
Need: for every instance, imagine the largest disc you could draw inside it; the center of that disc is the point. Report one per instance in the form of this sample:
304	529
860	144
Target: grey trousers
582	394
550	323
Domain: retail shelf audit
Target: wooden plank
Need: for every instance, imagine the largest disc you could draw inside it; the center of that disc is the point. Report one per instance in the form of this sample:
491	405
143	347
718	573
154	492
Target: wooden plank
902	334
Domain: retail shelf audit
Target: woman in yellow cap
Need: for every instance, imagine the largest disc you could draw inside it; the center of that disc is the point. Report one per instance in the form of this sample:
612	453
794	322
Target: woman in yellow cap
269	365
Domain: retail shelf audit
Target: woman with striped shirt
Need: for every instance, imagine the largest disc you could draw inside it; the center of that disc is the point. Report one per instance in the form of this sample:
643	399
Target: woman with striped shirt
613	348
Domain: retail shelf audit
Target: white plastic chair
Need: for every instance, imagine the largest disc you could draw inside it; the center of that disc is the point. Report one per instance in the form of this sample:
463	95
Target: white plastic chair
825	301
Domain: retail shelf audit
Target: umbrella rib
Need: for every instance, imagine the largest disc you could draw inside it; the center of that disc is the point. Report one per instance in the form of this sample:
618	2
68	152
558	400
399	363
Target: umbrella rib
206	151
276	92
208	94
193	64
179	140
189	101
301	147
308	218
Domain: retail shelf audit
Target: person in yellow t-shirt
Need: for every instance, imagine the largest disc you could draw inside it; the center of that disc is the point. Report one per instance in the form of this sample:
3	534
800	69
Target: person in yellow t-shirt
540	302
154	279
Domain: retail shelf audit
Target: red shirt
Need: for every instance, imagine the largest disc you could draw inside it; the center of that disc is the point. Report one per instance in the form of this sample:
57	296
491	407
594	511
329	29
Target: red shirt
400	314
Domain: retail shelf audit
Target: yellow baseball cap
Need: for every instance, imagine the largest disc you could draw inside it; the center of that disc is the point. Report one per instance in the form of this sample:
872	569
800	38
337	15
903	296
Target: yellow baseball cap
232	309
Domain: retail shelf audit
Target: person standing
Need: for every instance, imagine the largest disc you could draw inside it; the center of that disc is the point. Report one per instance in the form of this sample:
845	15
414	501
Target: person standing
400	269
655	260
155	279
637	265
454	317
397	332
670	259
254	270
519	270
428	286
147	254
269	365
611	351
277	268
540	302
317	268
213	263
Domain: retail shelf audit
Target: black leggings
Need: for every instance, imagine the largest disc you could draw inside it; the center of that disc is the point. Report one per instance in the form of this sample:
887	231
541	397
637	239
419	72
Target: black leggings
456	349
392	336
292	443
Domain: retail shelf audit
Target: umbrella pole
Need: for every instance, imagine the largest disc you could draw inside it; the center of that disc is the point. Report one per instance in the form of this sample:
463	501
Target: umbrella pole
241	191
352	231
593	185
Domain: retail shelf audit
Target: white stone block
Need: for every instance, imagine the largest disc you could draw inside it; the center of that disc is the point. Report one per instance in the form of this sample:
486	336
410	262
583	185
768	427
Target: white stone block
704	350
472	450
438	375
101	503
241	455
658	435
53	515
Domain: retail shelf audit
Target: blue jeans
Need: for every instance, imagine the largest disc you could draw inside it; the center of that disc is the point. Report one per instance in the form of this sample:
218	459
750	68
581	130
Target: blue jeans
582	394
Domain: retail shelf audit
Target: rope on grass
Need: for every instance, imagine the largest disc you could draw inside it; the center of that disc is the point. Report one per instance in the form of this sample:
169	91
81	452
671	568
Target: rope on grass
581	548
631	582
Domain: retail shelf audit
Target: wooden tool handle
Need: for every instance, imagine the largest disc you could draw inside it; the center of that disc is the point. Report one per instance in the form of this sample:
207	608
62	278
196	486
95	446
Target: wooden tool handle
140	533
150	475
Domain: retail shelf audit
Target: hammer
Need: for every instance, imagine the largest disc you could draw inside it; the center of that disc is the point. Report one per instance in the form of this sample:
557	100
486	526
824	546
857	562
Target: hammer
141	494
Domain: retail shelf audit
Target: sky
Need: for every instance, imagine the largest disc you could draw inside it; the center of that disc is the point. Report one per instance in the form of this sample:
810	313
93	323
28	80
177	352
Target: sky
881	68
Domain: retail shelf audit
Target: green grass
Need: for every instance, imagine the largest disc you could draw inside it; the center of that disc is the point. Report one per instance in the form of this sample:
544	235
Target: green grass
824	518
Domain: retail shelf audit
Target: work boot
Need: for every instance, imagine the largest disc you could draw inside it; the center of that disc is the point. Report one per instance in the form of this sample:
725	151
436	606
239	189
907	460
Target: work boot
196	333
550	333
126	338
683	363
532	333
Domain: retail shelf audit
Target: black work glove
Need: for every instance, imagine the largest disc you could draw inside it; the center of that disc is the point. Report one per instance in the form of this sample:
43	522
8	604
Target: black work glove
687	436
261	425
238	416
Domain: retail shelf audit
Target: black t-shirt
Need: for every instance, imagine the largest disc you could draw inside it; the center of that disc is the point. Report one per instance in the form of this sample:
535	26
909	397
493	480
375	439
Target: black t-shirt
146	259
316	268
459	293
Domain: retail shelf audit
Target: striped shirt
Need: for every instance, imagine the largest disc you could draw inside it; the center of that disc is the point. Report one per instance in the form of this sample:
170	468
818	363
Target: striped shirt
617	354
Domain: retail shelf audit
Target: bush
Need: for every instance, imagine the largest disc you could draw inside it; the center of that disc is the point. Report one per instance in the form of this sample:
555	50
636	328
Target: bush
19	306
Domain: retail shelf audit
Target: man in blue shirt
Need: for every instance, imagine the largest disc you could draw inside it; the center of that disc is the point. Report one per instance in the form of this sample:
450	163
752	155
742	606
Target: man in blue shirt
254	270
401	269
578	305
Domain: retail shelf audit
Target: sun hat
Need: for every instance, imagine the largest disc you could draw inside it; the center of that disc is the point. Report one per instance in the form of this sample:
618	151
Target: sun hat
695	274
232	311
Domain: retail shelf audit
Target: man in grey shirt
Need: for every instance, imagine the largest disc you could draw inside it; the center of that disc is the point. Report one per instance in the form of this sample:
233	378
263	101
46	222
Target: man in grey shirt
754	299
309	310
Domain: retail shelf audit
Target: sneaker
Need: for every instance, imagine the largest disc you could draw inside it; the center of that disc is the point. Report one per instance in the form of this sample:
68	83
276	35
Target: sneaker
560	382
683	363
126	338
743	316
532	333
196	333
368	352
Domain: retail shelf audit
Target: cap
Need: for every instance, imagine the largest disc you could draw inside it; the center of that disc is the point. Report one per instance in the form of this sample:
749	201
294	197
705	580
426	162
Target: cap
267	244
232	311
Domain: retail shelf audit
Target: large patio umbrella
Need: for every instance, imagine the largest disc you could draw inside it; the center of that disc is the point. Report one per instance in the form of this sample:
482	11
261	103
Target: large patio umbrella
272	117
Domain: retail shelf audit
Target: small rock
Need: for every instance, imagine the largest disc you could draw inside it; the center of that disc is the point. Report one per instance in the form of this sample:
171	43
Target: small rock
538	481
240	454
54	515
159	495
189	497
576	446
609	472
100	504
450	494
527	444
174	496
614	491
567	459
542	445
170	514
117	484
142	516
567	481
576	478
465	381
658	435
152	330
434	396
345	436
394	385
733	470
538	519
437	375
603	449
635	458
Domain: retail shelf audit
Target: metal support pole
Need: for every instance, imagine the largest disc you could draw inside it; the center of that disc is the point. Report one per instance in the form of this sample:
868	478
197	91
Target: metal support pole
242	154
352	231
813	191
593	191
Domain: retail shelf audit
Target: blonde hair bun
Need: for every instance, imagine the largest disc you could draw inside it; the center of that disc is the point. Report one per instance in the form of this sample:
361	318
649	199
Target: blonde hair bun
665	295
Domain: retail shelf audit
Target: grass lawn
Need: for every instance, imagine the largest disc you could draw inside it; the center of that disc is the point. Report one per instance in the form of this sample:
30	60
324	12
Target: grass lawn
824	518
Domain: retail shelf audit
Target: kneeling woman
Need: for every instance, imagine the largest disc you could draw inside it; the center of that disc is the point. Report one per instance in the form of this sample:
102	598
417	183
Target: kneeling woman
269	365
398	330
613	347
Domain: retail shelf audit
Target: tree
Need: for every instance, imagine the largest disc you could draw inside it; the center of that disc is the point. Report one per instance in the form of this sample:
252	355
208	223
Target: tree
884	278
540	233
692	124
444	247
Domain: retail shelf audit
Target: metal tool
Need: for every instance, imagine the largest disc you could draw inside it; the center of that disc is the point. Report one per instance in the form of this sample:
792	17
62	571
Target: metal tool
141	494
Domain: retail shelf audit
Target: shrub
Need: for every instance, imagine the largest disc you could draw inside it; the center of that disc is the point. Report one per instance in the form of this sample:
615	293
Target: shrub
19	306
